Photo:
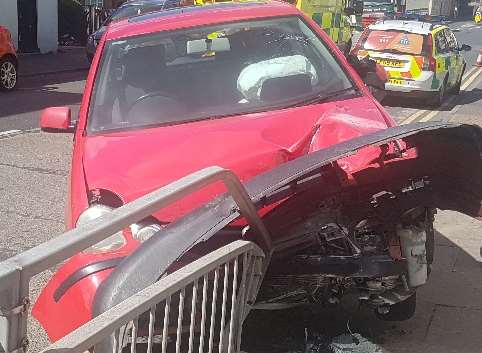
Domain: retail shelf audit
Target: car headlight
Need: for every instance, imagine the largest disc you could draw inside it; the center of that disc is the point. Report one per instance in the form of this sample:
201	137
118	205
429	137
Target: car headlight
140	231
112	243
143	231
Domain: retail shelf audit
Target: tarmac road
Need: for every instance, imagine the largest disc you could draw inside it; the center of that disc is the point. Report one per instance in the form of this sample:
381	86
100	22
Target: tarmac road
33	176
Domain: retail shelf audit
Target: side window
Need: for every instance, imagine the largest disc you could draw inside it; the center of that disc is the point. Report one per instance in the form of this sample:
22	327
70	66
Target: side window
451	40
169	4
441	43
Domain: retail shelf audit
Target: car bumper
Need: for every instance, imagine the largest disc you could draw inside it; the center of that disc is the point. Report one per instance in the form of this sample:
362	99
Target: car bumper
424	83
65	303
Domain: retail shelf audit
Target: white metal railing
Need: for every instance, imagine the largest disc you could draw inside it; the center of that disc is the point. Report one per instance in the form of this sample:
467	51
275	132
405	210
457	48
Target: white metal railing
16	272
199	308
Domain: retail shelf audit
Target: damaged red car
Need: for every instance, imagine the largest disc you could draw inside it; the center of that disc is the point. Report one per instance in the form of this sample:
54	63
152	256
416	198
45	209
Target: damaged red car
260	89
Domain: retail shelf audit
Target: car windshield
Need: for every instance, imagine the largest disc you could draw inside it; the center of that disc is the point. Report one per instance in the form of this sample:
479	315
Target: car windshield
394	41
212	72
127	11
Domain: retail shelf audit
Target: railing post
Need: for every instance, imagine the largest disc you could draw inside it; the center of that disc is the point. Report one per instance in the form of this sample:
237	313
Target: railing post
13	307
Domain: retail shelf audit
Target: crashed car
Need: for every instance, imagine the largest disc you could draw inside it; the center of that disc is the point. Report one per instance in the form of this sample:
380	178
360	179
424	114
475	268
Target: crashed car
347	197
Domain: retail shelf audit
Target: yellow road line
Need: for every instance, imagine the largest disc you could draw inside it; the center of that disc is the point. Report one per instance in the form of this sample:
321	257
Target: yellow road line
470	80
469	77
429	116
413	117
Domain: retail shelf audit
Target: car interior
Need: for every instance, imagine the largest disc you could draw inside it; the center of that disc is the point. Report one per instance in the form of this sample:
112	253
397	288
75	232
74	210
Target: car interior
184	78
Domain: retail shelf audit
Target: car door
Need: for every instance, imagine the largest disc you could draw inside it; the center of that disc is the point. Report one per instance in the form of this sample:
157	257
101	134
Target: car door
456	59
442	55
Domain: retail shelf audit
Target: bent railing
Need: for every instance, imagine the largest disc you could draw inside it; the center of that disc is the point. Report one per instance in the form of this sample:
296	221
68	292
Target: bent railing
16	272
200	308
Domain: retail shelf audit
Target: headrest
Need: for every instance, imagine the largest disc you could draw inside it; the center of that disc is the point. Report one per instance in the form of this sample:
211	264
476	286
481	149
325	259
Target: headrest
144	65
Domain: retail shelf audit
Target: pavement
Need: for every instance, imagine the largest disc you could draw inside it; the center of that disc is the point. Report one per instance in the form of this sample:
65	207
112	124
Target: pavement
34	169
66	59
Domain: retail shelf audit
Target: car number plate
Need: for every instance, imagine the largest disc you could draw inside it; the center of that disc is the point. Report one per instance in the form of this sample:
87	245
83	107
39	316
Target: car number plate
394	81
390	63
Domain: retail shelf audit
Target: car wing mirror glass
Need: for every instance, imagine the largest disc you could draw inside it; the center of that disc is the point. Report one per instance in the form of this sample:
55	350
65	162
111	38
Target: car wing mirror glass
56	119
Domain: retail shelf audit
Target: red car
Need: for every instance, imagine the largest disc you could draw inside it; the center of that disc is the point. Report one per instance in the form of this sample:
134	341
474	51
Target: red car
8	61
260	89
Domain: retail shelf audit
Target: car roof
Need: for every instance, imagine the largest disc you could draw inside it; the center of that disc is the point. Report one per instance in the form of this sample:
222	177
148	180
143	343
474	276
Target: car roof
418	27
193	16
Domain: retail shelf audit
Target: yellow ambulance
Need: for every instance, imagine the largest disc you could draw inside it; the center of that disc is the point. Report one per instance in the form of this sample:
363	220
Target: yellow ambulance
422	59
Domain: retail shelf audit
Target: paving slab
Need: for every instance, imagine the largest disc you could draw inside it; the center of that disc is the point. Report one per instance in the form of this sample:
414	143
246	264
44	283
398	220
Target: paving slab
454	330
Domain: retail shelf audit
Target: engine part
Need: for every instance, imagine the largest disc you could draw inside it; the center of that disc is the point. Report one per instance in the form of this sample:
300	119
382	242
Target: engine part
413	239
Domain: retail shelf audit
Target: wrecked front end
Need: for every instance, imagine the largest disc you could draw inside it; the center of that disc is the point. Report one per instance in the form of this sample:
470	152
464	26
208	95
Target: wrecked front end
370	231
374	235
354	217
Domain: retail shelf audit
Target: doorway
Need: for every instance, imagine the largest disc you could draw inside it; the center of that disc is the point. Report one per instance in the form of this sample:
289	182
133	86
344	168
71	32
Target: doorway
27	26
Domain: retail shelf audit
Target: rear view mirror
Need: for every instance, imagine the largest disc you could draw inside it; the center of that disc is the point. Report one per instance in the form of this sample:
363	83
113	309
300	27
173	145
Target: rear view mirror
56	119
201	46
465	47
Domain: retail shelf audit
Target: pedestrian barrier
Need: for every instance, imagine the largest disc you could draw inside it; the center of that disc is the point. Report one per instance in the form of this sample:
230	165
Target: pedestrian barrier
238	266
478	62
186	303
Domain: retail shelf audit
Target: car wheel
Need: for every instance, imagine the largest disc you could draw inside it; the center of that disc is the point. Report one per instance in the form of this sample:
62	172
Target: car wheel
8	74
401	311
439	96
456	89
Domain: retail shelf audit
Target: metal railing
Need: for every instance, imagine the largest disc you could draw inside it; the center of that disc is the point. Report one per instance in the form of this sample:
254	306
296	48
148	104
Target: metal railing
186	304
16	272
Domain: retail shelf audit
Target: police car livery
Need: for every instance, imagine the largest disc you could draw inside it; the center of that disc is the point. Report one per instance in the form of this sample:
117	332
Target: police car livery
421	59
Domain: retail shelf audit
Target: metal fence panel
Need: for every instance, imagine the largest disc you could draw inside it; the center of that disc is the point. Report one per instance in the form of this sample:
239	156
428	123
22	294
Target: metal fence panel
227	271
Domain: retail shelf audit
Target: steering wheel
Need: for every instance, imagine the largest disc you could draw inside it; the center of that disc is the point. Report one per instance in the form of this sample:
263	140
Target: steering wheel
147	96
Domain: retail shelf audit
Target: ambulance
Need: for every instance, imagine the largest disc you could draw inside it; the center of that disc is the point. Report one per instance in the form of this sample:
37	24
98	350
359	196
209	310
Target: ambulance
421	59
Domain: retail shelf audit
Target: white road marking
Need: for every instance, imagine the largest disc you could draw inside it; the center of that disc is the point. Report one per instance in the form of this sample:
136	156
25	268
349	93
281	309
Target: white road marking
9	132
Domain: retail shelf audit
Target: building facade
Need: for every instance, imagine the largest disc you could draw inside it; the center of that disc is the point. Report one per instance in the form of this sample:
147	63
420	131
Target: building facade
32	23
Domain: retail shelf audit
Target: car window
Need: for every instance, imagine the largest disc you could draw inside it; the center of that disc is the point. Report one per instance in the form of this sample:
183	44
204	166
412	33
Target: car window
127	11
441	43
211	72
169	4
451	40
394	41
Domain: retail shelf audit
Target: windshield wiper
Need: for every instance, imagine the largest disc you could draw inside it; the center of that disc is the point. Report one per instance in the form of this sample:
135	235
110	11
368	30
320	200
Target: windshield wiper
320	98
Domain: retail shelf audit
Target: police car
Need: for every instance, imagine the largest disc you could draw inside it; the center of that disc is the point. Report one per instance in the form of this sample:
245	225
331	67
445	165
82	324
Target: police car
421	59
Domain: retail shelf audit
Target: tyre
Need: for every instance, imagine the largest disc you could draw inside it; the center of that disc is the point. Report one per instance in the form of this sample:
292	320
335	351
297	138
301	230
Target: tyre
439	96
8	74
401	311
456	89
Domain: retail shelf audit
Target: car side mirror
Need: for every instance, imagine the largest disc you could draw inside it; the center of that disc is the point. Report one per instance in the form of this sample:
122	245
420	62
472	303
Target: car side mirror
373	75
56	119
363	66
465	47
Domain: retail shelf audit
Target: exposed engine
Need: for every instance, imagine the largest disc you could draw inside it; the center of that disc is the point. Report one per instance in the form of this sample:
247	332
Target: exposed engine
382	261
